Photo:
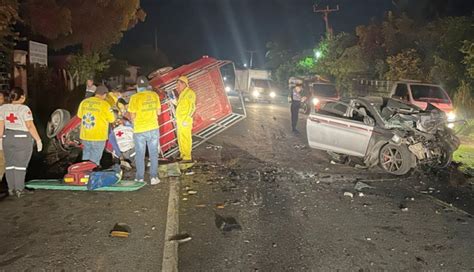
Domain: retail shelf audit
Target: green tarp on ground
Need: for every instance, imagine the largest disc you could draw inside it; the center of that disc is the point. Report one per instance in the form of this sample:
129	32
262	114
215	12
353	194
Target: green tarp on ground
57	184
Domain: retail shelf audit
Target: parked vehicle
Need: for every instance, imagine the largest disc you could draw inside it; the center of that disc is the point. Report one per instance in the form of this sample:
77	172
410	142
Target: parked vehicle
423	94
214	113
319	93
396	135
255	85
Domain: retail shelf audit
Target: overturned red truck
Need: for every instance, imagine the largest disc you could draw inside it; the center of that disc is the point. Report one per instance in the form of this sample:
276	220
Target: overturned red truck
214	111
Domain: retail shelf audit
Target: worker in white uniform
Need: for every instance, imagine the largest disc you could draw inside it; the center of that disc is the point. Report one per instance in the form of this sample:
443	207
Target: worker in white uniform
18	132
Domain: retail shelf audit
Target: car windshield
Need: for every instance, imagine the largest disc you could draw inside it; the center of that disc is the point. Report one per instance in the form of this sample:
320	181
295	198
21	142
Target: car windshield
325	90
428	93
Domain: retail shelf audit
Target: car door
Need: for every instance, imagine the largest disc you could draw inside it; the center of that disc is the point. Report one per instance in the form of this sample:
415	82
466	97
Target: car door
332	130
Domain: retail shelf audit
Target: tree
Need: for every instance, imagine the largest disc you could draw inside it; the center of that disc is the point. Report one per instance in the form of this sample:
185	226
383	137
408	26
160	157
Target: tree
93	24
276	55
444	63
115	68
468	60
406	64
85	66
9	16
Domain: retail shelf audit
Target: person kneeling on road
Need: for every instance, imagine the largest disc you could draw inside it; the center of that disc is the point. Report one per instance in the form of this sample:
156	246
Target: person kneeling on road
16	125
96	115
144	108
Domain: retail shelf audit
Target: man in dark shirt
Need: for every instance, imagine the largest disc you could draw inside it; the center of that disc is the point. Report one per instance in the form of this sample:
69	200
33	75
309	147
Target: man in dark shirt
296	98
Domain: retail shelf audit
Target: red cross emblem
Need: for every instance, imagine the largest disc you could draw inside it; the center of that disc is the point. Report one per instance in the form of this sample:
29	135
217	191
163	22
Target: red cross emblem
11	118
119	133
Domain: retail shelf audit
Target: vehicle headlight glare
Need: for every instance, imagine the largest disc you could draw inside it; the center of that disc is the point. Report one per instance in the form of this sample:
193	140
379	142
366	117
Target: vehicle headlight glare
256	94
272	94
451	116
315	101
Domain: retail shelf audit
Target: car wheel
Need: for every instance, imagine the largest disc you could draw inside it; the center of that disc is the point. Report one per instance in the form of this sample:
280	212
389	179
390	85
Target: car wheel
57	121
395	159
445	159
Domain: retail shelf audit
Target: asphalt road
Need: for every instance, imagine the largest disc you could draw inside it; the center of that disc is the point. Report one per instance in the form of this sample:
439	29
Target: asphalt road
290	205
65	230
258	200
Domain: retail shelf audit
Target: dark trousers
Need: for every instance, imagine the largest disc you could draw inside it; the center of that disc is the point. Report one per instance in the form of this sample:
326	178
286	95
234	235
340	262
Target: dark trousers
18	147
295	107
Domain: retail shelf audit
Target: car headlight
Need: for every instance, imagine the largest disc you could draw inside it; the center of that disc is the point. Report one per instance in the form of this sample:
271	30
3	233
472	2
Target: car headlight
255	94
272	94
451	116
227	89
315	101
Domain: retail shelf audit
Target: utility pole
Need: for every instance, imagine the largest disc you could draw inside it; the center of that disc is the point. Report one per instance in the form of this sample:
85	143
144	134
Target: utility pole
251	57
325	12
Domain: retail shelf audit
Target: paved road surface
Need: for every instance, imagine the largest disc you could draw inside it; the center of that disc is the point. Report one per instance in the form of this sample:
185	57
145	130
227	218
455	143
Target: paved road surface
287	203
290	203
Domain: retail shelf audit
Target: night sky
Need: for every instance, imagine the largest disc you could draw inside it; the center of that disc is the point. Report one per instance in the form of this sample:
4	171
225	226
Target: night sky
226	29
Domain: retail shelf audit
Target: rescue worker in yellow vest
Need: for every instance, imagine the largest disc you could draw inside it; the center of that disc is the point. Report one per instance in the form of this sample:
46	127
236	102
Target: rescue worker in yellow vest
113	95
96	115
185	108
145	107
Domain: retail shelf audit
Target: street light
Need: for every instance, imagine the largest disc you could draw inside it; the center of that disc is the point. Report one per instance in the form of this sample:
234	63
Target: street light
245	65
317	54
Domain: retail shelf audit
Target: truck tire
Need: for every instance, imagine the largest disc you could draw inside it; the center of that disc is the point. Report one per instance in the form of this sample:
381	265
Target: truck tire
395	159
59	118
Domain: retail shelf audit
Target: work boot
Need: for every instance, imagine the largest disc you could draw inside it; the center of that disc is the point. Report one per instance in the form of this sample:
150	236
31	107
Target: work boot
19	193
185	161
155	181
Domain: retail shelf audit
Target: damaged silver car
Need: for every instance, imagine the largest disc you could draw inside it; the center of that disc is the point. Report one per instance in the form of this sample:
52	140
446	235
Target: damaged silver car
384	131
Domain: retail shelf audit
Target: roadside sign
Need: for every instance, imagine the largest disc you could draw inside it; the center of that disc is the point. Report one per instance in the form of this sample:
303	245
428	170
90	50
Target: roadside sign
38	53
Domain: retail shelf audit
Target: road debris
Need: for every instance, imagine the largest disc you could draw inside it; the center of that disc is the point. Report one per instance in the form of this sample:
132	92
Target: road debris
190	173
181	238
226	223
213	147
192	192
403	208
361	185
220	205
349	194
120	230
299	147
201	206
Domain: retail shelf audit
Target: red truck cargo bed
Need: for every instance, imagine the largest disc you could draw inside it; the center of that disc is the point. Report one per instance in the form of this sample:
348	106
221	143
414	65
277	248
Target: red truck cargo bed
213	114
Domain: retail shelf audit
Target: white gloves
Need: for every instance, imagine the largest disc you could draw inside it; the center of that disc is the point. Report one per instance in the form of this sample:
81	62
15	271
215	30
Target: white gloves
39	146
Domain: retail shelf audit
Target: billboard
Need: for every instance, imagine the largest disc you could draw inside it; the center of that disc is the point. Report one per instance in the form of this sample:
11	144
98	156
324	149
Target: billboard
38	53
